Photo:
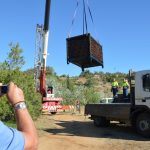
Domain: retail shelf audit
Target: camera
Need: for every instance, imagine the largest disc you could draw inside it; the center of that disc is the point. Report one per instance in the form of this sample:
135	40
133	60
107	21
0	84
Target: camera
3	89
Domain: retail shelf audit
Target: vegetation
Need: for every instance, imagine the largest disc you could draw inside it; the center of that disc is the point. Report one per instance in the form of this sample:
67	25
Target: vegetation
9	71
26	83
14	59
87	88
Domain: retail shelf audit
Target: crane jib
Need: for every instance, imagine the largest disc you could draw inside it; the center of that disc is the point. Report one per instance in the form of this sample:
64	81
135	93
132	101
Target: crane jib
47	14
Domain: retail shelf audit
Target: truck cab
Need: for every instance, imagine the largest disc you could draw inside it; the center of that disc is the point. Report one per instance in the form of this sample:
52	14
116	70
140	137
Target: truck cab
142	88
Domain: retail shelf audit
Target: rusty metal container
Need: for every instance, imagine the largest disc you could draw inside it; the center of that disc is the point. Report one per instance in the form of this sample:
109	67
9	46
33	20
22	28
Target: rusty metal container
84	51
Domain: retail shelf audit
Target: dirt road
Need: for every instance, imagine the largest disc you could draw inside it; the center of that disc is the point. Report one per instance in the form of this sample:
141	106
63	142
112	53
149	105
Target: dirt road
74	132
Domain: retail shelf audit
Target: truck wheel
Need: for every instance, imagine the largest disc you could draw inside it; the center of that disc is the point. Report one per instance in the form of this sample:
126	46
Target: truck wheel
101	121
53	113
143	124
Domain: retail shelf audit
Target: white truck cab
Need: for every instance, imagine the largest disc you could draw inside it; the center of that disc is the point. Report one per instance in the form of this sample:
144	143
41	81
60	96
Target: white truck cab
142	88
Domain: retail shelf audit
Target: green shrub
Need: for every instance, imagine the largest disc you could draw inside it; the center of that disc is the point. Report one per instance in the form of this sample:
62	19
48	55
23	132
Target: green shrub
26	83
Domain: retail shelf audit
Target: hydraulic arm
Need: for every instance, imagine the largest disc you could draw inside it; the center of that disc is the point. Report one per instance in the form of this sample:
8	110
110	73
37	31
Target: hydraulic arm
44	48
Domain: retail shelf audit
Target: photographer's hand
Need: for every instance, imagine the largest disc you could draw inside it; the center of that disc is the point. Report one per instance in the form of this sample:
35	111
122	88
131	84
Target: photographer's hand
24	121
15	94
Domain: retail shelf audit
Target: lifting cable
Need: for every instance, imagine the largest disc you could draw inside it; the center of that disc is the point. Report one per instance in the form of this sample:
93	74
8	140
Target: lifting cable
85	25
73	19
84	18
90	12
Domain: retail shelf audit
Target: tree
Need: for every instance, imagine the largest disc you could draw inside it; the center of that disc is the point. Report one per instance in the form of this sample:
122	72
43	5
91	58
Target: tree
69	84
14	60
26	83
50	71
3	65
91	96
86	73
30	71
90	82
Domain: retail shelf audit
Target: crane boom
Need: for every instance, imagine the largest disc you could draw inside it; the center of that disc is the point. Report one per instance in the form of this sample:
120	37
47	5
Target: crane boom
44	49
46	32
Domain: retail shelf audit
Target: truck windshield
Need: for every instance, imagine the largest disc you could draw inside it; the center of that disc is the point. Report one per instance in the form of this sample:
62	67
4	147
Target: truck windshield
146	82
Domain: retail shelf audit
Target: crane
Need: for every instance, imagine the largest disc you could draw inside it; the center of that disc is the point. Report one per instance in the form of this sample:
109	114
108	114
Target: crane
49	102
42	34
83	51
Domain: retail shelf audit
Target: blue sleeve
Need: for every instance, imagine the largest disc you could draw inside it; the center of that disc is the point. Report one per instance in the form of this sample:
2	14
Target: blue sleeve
10	139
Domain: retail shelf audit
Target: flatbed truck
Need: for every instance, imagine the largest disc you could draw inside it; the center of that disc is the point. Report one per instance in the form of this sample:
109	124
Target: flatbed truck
135	109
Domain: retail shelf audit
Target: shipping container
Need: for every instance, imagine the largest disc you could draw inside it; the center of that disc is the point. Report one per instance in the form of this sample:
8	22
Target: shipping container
84	51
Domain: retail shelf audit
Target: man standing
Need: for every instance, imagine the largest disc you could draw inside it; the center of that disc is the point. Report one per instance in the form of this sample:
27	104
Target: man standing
125	86
78	106
25	136
114	88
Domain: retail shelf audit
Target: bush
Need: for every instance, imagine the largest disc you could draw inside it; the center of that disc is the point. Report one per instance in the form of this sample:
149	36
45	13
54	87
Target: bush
26	83
91	96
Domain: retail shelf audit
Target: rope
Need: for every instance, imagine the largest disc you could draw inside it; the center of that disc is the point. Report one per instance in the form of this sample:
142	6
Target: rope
84	17
85	25
92	19
73	19
90	11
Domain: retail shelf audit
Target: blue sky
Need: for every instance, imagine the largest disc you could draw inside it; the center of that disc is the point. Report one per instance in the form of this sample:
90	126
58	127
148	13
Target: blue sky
123	29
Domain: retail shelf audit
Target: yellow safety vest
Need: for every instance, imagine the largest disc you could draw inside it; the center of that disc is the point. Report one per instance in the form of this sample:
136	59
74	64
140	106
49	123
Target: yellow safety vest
125	84
115	83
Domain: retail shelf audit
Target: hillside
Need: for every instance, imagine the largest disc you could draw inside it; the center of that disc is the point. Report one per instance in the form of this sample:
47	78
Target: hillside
99	82
87	87
102	87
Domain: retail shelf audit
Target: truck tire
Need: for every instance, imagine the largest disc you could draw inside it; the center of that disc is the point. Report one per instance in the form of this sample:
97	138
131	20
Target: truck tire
100	122
143	124
53	113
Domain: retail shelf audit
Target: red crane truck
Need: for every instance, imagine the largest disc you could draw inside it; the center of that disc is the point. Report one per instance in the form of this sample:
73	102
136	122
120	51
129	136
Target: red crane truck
49	101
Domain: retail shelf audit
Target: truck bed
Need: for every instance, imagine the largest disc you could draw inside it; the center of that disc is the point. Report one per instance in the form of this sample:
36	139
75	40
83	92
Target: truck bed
113	111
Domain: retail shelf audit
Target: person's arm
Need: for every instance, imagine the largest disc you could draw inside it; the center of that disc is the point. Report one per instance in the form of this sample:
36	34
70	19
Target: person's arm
24	120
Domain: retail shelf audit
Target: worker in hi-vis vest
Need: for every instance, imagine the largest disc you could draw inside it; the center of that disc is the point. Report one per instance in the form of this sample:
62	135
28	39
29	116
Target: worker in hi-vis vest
125	86
114	88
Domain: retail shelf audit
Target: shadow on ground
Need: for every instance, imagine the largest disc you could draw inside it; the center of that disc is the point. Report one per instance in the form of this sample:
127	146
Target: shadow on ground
87	129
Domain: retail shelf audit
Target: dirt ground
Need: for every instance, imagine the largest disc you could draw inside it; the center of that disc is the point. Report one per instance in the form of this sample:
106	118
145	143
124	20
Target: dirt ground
70	131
